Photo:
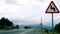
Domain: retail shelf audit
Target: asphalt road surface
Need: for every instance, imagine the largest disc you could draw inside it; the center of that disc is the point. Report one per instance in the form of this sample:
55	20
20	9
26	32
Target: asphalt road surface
35	31
22	31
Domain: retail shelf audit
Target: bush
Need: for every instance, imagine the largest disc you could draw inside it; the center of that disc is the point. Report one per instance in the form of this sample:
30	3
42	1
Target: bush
57	28
46	30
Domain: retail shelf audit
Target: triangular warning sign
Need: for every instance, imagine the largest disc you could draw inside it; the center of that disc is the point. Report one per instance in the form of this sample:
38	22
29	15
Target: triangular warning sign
52	8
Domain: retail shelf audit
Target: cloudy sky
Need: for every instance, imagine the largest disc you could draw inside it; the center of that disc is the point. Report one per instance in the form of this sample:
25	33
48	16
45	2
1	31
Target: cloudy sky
28	12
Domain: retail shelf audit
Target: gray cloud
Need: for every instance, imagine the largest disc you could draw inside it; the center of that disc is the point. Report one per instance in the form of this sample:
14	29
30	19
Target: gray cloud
41	0
11	1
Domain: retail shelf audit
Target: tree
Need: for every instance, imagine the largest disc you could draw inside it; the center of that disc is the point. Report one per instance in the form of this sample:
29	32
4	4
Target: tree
8	23
17	26
57	27
4	22
27	27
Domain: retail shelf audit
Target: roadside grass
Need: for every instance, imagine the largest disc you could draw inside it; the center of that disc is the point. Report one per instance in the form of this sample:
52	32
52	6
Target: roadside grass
51	32
43	31
8	29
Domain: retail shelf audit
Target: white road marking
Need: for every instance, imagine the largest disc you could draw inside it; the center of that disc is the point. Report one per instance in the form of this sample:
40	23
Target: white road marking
27	31
13	30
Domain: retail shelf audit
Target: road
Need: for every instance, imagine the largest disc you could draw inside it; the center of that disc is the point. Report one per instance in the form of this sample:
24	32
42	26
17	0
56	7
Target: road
22	31
35	31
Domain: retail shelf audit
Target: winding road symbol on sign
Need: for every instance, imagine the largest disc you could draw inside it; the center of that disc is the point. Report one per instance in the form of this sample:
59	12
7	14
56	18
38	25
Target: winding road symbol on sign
53	8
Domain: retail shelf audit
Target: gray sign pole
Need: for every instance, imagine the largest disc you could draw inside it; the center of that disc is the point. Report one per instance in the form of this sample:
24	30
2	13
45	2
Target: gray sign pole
52	24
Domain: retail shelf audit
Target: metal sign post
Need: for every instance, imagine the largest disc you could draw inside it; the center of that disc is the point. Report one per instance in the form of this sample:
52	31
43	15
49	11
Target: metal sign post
52	24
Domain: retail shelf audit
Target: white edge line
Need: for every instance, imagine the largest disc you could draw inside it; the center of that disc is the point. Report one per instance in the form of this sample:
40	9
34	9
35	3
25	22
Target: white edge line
27	31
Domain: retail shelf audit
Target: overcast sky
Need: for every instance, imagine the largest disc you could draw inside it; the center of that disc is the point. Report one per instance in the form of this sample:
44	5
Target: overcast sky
28	12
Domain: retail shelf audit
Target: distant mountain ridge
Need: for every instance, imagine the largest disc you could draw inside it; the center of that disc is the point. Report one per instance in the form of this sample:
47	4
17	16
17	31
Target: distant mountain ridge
35	26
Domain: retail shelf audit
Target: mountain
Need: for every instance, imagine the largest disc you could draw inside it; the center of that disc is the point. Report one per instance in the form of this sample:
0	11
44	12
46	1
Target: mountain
36	26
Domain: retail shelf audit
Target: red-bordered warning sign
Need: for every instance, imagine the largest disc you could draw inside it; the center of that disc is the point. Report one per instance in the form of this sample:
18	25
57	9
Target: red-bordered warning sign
52	8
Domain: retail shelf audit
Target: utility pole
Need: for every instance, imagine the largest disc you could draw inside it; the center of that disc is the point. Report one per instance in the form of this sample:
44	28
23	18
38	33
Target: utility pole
41	25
